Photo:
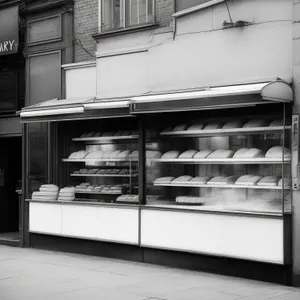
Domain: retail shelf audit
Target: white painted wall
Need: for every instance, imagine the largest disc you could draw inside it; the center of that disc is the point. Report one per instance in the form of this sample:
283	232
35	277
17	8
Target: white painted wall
80	80
202	53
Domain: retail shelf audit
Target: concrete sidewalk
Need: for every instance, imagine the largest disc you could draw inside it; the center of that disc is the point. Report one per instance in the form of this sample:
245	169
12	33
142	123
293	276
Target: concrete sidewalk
37	274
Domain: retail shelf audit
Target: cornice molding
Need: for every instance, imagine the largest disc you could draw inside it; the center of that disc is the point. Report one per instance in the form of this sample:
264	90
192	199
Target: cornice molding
33	6
6	3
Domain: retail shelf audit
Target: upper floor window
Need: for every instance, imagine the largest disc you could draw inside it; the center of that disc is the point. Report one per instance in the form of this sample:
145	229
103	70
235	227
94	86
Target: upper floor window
117	14
183	4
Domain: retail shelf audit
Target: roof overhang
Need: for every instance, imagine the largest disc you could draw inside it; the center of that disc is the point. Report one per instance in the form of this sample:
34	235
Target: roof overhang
215	98
74	109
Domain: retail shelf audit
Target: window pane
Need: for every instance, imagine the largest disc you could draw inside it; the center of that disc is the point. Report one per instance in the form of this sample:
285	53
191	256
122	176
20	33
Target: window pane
143	11
111	14
37	156
183	4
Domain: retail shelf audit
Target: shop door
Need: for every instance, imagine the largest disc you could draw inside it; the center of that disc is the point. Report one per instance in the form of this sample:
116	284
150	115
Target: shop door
10	181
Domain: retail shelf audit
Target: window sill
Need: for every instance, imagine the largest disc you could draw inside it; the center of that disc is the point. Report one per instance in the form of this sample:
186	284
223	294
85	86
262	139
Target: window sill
125	31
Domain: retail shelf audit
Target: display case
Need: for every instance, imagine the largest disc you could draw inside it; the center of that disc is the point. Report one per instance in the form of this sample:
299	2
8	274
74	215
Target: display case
216	161
100	159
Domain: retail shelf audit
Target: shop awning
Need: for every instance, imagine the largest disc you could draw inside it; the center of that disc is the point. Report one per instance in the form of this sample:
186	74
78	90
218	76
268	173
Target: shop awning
215	98
73	109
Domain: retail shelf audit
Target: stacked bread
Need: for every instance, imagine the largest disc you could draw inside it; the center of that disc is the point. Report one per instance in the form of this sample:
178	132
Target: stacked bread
189	200
66	194
233	124
86	187
134	199
47	192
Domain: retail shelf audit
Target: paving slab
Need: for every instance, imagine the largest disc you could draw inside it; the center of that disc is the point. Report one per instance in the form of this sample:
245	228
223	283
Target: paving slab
37	274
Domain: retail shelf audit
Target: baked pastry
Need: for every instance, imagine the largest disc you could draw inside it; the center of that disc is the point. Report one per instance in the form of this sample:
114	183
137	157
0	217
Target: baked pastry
98	134
94	155
188	154
118	133
153	154
106	154
220	153
124	172
84	135
233	124
180	127
287	182
212	126
134	155
255	123
171	154
124	154
202	154
189	200
196	127
51	188
166	179
240	153
269	181
222	180
90	134
199	180
125	132
276	123
248	179
254	153
276	152
78	154
183	179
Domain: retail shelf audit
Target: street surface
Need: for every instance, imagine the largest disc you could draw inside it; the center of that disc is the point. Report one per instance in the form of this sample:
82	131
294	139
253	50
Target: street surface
36	274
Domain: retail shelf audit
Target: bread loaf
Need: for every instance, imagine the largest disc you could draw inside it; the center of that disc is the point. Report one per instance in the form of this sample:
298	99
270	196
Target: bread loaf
287	182
202	154
240	153
199	180
78	154
94	155
180	127
170	154
196	127
167	129
269	181
255	123
248	179
276	152
166	179
189	200
212	126
188	154
276	123
254	153
124	154
220	180
183	179
220	153
153	154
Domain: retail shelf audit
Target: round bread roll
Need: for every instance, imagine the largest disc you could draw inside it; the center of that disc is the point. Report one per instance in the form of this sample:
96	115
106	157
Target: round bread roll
166	179
171	154
188	154
248	179
196	127
276	152
255	123
254	153
233	124
94	155
202	154
240	153
180	127
221	153
212	126
276	123
184	178
199	180
269	181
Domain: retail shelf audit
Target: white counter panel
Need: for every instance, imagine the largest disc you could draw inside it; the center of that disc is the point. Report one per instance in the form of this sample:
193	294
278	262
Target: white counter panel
118	224
245	237
45	218
80	221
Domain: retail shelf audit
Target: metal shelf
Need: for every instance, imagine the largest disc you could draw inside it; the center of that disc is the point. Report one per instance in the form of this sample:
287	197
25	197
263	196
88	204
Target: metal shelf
224	161
106	138
231	186
103	175
217	132
99	193
99	160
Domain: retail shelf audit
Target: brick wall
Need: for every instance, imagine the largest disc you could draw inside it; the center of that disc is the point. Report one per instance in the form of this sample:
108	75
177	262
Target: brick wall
164	11
85	24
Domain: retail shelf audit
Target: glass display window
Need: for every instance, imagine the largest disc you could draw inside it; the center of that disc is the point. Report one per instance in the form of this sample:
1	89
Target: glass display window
214	160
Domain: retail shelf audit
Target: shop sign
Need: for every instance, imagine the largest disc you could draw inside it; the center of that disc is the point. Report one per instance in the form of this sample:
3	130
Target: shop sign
9	30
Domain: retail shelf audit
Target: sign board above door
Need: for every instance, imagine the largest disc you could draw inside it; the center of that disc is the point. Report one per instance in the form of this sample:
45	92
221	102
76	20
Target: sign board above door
9	30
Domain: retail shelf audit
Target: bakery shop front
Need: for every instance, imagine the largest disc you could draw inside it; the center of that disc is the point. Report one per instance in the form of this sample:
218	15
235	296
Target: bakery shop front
206	186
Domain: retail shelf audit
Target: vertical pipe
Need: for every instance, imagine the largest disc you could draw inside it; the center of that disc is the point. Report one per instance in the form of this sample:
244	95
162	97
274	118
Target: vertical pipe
147	11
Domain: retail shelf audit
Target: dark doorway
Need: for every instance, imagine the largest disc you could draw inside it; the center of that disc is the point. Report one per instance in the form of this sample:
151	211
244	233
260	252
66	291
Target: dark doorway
10	182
